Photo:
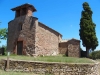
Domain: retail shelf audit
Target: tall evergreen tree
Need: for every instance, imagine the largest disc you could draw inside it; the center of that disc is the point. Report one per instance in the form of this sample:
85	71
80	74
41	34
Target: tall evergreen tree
87	29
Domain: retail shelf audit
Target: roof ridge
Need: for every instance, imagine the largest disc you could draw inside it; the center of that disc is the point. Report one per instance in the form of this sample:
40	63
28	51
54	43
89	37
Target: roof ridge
49	28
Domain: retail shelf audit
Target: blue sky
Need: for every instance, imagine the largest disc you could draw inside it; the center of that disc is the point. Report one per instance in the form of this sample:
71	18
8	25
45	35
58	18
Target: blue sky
61	15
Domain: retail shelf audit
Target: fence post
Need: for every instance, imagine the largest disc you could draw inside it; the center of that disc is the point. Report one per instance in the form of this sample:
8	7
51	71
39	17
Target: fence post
8	60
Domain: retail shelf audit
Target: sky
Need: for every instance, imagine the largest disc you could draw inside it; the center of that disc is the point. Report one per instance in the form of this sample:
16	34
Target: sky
60	15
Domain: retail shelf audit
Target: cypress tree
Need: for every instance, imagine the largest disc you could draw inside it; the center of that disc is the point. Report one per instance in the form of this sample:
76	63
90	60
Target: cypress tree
87	29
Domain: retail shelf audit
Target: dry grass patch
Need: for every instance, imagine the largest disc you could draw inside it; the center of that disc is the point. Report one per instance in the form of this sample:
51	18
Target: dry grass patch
15	73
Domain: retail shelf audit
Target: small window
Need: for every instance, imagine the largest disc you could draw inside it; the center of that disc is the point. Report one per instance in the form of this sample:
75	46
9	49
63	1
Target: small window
20	26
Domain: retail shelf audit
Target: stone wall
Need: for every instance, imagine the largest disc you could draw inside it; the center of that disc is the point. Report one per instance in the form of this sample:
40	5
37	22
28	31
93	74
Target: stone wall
70	48
47	40
29	32
52	68
22	29
14	32
63	48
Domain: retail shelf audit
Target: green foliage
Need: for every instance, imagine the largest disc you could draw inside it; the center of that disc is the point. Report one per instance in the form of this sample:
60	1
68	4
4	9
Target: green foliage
95	55
87	28
3	34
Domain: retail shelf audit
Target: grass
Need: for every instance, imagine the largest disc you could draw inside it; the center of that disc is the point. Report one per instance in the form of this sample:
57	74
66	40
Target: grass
98	60
18	73
15	73
58	58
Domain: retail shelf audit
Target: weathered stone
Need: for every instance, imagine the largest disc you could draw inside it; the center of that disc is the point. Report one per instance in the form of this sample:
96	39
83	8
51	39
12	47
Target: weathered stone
70	48
54	68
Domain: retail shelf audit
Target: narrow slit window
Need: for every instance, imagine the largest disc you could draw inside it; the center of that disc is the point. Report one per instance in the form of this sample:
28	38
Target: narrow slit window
20	26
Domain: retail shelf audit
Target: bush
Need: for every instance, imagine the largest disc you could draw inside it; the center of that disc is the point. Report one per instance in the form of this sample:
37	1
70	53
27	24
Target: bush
95	55
3	49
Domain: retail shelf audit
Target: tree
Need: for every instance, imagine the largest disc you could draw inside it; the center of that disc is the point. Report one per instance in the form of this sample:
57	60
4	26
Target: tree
87	29
3	34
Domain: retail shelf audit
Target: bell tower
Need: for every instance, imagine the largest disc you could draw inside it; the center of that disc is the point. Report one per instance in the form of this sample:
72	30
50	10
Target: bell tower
25	9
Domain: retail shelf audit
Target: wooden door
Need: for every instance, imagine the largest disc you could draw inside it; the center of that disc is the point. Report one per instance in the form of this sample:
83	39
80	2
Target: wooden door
19	47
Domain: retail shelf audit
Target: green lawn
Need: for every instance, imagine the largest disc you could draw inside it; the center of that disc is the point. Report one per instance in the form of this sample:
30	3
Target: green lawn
58	58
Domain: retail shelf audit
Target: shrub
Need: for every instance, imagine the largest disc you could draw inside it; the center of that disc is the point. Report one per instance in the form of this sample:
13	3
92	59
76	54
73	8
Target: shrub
2	51
5	48
95	55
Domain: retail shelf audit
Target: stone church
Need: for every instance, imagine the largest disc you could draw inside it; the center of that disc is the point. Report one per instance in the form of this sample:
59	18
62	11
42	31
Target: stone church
28	36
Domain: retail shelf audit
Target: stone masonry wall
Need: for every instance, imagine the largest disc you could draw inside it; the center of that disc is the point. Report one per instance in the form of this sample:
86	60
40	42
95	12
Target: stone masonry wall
47	41
70	48
14	32
74	48
29	35
52	68
63	48
26	33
